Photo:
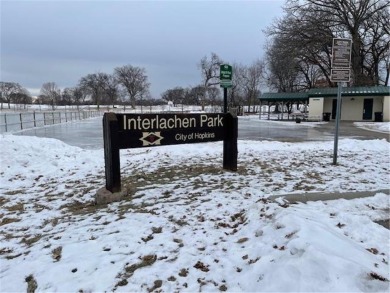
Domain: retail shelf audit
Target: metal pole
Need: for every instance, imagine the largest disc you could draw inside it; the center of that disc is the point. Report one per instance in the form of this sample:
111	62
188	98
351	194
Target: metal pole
225	100
338	114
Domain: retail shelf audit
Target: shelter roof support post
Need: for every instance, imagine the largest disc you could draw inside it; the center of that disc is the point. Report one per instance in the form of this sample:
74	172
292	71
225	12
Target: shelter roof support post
260	111
269	110
305	107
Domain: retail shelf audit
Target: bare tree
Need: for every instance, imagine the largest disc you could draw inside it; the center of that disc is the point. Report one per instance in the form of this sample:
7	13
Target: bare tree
134	80
197	94
22	97
283	68
309	26
252	82
376	50
51	91
7	90
110	88
94	85
210	72
214	96
175	95
66	97
79	95
236	92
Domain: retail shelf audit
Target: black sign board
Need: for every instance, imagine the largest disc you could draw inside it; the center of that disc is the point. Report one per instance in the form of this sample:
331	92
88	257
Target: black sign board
122	131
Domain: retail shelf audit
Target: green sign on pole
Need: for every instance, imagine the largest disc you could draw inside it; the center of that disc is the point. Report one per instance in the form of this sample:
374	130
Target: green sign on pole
225	75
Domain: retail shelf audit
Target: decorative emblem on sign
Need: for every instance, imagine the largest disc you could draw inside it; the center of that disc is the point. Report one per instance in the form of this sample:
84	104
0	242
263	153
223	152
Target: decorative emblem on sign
151	138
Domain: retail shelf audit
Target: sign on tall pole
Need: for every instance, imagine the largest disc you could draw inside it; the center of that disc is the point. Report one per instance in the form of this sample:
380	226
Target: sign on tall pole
225	77
340	72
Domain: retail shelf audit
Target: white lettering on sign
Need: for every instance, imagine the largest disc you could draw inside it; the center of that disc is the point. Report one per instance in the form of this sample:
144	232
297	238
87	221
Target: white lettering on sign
210	121
196	135
161	123
226	72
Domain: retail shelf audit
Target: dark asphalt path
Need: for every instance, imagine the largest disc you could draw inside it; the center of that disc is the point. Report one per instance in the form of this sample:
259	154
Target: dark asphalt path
88	133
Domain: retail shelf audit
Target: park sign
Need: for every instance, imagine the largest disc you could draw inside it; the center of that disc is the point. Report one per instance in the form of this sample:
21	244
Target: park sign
123	131
341	53
340	72
341	60
225	75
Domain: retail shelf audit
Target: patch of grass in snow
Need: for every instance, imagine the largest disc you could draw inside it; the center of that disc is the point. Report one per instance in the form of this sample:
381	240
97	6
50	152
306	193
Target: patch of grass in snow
146	260
5	221
14	192
19	207
29	240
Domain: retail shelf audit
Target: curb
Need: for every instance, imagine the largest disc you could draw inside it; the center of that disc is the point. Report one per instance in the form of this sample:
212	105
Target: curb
305	197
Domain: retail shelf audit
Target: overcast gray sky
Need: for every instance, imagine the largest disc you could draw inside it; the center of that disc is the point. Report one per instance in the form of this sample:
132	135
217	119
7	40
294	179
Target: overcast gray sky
61	41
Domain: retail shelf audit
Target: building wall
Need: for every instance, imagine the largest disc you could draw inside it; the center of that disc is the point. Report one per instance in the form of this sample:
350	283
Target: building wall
386	108
352	107
316	107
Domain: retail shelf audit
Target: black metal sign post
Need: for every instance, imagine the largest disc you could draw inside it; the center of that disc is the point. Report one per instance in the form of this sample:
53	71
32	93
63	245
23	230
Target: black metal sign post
225	78
122	131
225	107
230	151
111	152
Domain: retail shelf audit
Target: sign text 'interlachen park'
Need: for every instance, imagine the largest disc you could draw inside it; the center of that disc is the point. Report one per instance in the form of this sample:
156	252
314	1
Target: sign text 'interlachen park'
123	131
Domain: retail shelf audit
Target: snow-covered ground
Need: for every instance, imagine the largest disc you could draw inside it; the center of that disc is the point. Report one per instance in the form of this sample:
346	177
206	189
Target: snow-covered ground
374	126
187	225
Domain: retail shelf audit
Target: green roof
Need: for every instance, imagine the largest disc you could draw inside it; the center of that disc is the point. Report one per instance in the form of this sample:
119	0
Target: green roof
328	92
284	96
351	91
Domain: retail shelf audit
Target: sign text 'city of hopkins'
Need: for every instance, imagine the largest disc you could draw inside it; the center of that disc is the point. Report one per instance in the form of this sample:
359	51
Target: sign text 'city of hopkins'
122	131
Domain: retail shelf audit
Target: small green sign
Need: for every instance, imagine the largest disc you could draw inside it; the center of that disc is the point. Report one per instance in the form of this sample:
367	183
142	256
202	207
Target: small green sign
225	72
225	75
226	83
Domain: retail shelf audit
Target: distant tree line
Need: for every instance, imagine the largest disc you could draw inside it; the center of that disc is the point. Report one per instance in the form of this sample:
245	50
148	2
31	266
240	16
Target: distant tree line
128	85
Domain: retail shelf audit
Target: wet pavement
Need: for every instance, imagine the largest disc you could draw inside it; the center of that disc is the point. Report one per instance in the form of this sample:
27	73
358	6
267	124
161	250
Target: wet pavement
275	131
88	133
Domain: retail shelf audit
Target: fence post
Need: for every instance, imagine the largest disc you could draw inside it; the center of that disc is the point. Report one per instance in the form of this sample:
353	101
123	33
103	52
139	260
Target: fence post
5	120
21	122
35	122
53	117
44	118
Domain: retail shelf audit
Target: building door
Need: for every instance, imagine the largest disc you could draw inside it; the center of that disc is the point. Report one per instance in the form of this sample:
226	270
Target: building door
367	109
334	108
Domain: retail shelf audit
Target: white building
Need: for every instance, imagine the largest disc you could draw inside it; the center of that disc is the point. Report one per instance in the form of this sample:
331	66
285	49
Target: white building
357	103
